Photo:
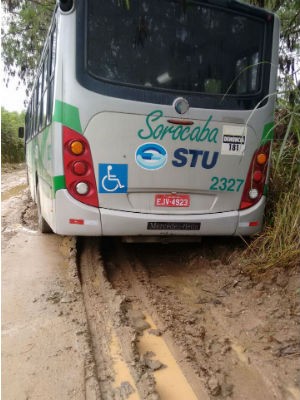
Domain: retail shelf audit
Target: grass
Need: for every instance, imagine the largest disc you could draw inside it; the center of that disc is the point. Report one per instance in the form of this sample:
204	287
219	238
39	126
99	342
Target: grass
279	244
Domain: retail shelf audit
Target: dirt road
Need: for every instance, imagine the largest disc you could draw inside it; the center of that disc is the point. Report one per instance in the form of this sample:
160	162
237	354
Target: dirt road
45	354
98	319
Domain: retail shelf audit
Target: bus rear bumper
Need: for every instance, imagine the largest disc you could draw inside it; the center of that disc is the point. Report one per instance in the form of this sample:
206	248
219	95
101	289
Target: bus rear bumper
230	223
75	218
121	223
251	220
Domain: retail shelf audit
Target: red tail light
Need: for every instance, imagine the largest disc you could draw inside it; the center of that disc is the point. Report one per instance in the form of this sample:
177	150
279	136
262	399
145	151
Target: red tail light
78	166
256	178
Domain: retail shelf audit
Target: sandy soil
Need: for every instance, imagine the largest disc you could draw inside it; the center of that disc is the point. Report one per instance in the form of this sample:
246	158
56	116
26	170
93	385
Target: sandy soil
98	319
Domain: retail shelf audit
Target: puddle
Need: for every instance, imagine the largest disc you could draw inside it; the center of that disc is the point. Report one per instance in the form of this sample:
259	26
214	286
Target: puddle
28	230
15	191
294	393
19	228
123	379
170	381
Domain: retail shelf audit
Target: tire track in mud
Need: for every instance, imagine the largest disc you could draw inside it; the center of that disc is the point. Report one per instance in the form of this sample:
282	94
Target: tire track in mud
119	371
175	379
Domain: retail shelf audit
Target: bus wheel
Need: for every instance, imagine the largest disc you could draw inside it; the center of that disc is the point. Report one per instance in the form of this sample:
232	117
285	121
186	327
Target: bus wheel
43	225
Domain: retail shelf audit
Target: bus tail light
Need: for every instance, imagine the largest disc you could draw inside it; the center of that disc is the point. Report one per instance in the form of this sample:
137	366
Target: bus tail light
82	188
76	147
78	166
256	178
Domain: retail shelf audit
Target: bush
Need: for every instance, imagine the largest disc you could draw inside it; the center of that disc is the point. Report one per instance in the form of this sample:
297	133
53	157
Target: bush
12	148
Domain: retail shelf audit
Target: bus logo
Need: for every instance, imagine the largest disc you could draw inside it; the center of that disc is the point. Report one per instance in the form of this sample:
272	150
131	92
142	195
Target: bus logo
151	156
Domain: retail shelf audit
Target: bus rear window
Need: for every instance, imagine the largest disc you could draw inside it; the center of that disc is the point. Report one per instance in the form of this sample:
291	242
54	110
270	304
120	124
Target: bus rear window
175	46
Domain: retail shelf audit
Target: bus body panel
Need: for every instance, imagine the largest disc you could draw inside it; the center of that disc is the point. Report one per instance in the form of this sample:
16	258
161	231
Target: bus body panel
31	171
39	159
198	161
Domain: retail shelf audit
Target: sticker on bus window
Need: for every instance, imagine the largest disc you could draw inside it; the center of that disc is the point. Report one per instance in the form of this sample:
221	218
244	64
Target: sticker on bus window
113	178
234	140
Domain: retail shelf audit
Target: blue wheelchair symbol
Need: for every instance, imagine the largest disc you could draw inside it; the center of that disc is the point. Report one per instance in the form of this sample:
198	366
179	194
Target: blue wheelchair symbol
113	178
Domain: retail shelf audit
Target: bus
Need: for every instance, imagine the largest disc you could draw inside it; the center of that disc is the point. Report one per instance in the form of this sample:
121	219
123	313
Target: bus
153	118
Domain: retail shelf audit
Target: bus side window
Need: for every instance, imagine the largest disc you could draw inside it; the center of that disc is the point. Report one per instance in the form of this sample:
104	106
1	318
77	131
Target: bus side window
36	114
27	125
30	119
40	101
52	59
34	110
45	90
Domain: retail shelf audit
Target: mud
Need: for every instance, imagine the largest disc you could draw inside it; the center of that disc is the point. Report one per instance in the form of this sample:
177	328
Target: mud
45	342
97	319
237	332
113	339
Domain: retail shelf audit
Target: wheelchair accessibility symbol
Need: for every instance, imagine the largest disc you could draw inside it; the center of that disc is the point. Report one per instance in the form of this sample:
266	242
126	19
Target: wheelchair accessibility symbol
113	178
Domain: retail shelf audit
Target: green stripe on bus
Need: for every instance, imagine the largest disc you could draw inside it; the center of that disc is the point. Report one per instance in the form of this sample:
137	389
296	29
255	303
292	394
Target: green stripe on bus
59	182
268	133
67	115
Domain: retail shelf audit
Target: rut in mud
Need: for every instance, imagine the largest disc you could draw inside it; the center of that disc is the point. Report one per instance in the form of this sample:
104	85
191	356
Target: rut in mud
210	315
119	370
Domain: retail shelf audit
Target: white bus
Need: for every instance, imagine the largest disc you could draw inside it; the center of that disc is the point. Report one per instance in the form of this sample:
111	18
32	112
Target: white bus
153	118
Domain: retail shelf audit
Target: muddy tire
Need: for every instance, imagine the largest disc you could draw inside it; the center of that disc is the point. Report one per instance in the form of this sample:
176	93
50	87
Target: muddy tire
43	225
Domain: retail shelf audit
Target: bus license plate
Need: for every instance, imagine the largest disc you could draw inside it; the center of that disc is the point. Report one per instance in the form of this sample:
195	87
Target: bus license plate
172	200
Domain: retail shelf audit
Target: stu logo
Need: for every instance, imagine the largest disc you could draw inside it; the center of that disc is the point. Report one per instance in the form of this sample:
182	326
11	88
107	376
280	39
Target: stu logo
183	156
151	156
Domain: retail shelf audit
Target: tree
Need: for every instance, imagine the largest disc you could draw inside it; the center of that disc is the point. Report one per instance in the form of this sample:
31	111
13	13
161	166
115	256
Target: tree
12	148
23	34
289	52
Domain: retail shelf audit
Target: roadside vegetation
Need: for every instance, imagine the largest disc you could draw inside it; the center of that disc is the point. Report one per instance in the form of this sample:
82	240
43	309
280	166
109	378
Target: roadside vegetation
279	244
12	148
